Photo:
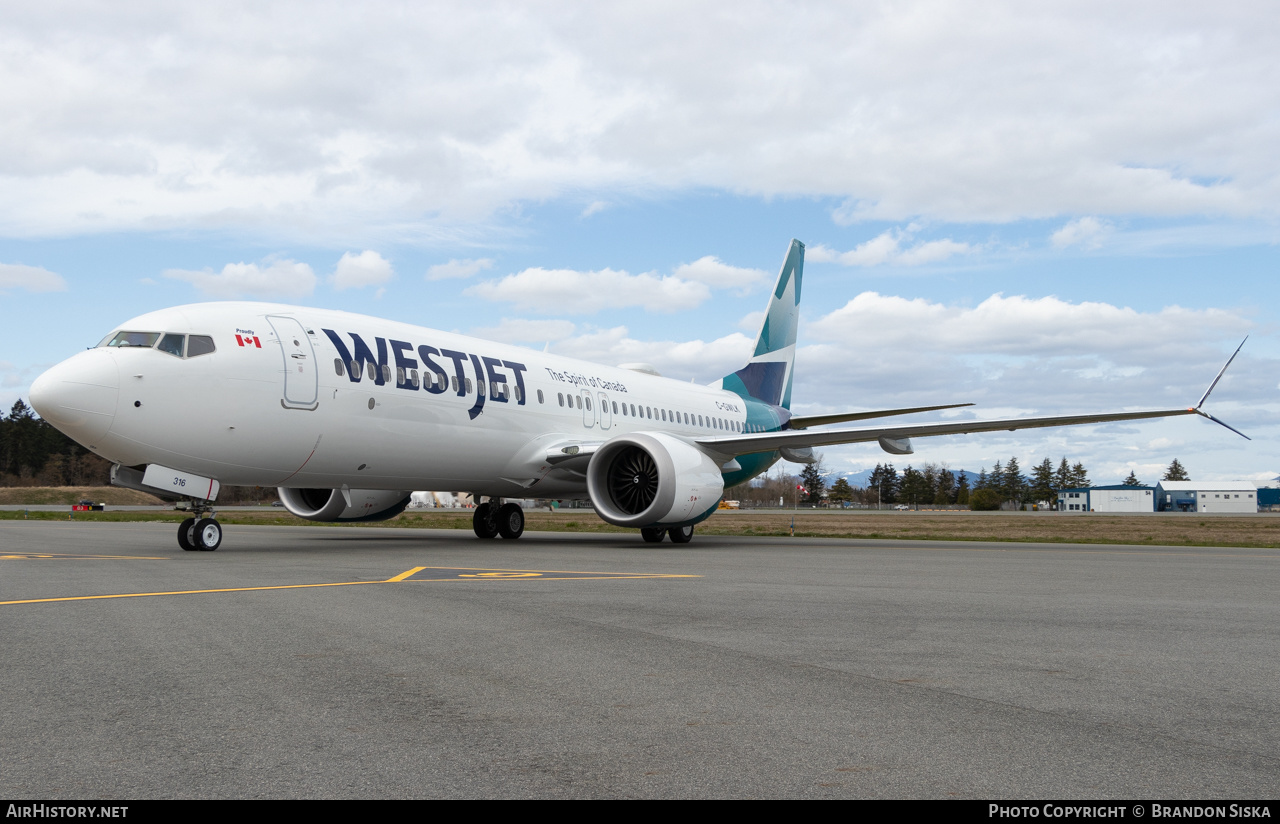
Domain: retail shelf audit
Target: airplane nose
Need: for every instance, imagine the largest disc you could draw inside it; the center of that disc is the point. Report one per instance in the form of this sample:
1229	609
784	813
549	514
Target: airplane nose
79	395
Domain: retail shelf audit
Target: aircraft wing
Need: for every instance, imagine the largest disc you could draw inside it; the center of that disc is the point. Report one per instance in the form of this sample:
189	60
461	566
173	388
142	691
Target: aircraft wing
894	439
764	441
806	421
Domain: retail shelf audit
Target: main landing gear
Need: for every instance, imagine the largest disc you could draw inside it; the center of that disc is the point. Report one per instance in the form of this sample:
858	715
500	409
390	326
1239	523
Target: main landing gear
679	534
494	518
201	533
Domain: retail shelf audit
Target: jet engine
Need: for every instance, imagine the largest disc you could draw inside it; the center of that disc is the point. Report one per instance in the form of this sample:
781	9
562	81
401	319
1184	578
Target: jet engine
652	479
897	446
344	504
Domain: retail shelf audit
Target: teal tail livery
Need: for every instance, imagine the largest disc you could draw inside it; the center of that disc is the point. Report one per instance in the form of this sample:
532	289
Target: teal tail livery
347	415
767	376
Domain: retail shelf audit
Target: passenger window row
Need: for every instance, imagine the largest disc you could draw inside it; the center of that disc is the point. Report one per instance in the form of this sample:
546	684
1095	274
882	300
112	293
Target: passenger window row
626	409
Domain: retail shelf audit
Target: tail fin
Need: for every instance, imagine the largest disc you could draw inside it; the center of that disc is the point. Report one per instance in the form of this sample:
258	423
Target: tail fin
767	376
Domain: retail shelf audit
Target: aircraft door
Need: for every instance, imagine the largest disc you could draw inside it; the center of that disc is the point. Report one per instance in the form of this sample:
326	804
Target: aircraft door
588	413
301	381
606	419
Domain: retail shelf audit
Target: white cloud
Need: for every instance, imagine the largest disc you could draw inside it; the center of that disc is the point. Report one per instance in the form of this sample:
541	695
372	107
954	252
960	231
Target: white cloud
569	291
703	361
1018	326
715	273
1018	356
1086	232
30	278
523	331
365	269
594	207
890	247
458	269
273	278
575	292
167	117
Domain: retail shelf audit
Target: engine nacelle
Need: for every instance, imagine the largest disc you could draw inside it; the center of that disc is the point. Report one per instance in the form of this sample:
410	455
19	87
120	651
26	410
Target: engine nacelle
652	479
896	446
344	505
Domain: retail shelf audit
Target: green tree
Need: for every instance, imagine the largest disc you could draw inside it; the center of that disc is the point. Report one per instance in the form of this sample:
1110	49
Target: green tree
1175	472
995	480
1062	477
929	473
883	484
1079	477
946	493
914	490
27	445
814	485
962	489
1132	480
841	492
984	500
1042	488
1015	486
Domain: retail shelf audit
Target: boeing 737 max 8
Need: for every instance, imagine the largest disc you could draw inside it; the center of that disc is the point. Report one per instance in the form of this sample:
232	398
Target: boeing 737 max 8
348	414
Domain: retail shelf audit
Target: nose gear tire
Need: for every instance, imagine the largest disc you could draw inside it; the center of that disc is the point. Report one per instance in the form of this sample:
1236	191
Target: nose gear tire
187	535
208	534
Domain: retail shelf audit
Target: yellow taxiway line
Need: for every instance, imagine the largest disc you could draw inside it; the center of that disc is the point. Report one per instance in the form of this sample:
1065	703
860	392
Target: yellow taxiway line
484	574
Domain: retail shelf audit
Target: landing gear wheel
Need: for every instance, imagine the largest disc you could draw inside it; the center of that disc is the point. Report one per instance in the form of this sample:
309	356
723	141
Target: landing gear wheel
680	534
652	535
187	535
482	521
208	534
510	521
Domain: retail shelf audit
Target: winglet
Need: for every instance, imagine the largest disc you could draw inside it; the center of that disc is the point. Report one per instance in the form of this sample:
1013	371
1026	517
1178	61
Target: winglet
1220	423
1217	378
1205	396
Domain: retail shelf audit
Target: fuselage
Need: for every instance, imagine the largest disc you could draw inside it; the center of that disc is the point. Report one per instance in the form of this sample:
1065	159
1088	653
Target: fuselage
273	395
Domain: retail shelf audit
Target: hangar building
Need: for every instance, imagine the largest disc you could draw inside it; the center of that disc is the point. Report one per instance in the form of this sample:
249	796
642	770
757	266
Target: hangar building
1117	498
1207	496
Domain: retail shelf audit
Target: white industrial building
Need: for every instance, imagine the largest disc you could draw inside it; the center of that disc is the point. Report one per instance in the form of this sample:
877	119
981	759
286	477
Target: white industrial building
1207	496
1107	499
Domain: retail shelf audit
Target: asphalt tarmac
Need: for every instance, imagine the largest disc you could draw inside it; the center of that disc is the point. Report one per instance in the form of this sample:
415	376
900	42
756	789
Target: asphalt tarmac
384	663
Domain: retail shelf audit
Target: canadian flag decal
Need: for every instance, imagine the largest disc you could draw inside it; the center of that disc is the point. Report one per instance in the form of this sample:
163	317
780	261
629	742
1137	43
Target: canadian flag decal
248	341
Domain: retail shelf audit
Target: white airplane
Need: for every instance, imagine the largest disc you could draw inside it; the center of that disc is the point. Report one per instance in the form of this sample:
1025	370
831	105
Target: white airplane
348	414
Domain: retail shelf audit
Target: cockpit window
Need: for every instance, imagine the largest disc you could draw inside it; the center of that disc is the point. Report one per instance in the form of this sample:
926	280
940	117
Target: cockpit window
172	344
147	339
169	342
199	345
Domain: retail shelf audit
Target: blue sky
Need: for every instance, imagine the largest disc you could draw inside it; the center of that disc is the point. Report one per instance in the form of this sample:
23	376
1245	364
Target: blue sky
1071	208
